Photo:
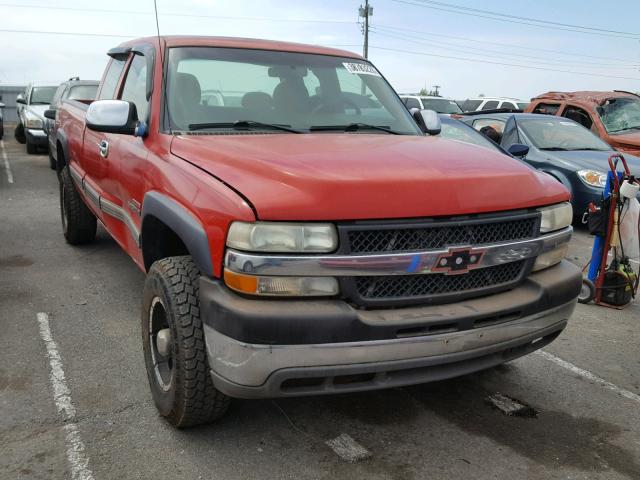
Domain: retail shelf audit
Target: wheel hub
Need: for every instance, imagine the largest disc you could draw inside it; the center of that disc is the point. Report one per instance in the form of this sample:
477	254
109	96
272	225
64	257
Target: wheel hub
163	342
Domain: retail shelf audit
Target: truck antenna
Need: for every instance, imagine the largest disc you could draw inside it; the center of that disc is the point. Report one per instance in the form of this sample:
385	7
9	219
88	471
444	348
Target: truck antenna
163	82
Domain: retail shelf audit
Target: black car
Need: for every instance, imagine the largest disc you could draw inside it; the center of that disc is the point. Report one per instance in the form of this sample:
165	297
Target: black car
572	154
72	89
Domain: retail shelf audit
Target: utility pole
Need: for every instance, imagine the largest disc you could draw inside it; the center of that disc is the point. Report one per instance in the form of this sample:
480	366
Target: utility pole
436	92
366	12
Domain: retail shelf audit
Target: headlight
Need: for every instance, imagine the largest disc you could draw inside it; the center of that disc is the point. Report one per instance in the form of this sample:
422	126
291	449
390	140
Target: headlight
33	121
593	178
281	237
556	217
281	286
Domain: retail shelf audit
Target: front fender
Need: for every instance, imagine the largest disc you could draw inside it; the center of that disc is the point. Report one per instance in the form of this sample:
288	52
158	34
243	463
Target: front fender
183	223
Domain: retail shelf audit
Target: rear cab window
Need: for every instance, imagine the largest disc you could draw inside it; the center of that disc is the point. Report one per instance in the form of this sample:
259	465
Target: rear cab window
547	108
578	115
110	81
490	105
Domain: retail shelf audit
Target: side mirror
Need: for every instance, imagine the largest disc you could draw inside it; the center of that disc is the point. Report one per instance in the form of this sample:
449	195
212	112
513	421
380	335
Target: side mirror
427	120
50	114
20	99
112	116
518	150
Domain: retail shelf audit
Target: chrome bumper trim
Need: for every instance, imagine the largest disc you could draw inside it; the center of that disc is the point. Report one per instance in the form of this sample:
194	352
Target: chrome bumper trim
251	365
390	263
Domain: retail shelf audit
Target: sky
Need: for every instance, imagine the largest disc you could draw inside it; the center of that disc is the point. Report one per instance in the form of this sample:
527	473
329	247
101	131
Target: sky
413	45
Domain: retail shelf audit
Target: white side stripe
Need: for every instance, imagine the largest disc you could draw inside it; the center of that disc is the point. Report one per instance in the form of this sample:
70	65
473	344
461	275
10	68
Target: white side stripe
78	461
7	167
589	376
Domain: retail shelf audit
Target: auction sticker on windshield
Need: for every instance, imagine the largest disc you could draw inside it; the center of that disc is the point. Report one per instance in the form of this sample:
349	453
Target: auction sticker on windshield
361	68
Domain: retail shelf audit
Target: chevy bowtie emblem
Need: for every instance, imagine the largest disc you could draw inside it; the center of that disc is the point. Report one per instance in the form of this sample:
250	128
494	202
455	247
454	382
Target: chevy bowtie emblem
458	260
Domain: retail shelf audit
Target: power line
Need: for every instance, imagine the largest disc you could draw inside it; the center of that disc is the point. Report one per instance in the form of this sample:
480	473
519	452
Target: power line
465	49
529	19
476	60
630	36
174	14
79	34
469	39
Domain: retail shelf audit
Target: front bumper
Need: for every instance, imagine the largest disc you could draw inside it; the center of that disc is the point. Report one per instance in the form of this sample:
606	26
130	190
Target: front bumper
37	137
313	347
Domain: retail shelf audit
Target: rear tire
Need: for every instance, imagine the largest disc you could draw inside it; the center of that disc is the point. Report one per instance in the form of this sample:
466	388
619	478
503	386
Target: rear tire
79	224
52	162
174	347
19	134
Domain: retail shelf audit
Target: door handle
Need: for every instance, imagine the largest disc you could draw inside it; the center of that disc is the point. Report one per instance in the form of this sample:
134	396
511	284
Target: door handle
104	148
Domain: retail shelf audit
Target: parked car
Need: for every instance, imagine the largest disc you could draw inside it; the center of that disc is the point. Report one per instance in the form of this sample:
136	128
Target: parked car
613	116
492	103
460	131
1	121
437	104
31	106
298	244
561	147
72	89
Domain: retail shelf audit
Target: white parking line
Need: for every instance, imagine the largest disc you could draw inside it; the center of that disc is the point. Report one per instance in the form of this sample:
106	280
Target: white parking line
589	376
62	397
7	167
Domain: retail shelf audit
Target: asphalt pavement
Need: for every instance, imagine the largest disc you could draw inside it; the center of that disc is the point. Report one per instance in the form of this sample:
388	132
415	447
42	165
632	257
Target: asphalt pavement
75	402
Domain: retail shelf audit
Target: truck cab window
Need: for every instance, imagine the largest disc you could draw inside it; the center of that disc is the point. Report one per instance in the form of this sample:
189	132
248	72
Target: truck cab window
135	86
578	115
110	81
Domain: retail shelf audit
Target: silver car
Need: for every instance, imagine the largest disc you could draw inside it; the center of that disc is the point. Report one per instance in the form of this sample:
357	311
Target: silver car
31	106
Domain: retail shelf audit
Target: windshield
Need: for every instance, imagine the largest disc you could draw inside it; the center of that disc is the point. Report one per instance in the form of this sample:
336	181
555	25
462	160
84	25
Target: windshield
441	105
42	95
560	134
456	130
216	87
83	92
619	114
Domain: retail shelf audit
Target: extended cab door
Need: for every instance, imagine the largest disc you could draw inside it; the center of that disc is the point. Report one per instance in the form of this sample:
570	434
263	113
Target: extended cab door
133	150
99	159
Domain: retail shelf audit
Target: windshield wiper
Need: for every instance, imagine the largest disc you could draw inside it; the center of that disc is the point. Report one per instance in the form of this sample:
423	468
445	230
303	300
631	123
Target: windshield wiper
243	125
587	149
555	149
353	127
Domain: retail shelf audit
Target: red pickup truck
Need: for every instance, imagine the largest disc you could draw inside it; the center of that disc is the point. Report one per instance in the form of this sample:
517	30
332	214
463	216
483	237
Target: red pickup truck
301	231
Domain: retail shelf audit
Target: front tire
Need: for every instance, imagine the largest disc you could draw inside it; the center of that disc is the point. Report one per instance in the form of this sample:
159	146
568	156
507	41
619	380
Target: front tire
32	148
19	134
79	224
174	347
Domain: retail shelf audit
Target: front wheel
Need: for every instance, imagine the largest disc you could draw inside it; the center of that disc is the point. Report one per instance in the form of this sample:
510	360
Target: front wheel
174	347
19	134
32	148
587	291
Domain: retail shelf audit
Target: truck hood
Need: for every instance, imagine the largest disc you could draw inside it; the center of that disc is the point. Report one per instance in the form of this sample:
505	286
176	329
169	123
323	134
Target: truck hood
628	142
38	109
366	176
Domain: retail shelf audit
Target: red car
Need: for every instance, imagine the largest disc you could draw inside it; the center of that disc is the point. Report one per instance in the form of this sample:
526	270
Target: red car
613	116
304	233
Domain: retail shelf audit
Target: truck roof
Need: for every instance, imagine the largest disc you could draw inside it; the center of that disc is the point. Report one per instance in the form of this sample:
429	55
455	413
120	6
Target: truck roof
584	96
248	43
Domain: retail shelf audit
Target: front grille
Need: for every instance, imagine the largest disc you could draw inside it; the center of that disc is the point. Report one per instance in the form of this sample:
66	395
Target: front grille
428	285
425	237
